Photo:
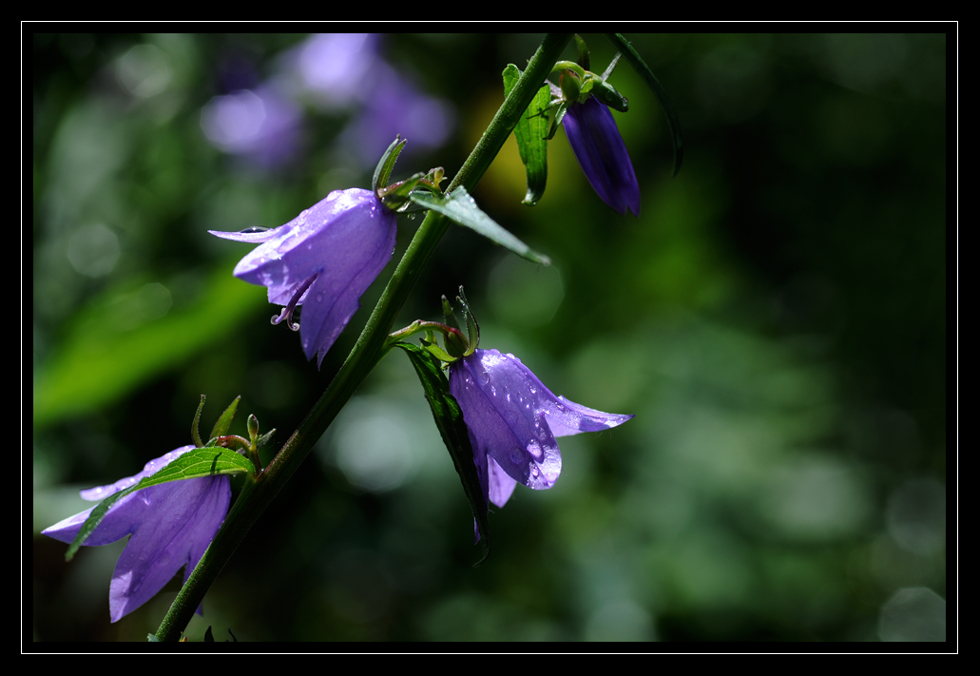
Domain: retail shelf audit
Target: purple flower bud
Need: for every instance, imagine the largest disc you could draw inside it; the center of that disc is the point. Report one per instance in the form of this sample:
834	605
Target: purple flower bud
599	149
323	259
513	419
171	525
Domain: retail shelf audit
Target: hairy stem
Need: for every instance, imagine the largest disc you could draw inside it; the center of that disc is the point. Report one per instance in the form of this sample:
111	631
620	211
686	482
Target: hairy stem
367	352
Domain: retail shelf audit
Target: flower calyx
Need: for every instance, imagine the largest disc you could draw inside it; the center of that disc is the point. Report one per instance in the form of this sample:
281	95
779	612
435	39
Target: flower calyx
457	343
220	438
396	196
576	83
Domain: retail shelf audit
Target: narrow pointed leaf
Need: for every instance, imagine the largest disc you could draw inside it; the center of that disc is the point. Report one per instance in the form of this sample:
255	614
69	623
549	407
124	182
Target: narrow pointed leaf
461	208
530	133
643	69
200	462
449	420
220	428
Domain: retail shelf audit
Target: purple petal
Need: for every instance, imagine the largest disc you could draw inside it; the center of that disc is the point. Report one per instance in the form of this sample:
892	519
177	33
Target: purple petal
598	146
335	295
565	417
171	525
324	259
250	237
501	485
498	404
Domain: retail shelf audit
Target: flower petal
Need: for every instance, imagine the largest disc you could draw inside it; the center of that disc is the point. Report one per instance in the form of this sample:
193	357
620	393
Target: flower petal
171	525
565	417
598	146
335	295
501	484
324	259
175	523
498	404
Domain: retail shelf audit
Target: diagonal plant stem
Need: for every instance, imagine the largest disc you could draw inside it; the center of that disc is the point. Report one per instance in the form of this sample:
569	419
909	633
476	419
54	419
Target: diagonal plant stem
367	352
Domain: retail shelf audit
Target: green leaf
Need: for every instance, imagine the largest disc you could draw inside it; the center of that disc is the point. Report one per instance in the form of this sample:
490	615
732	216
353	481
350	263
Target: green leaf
101	360
449	420
200	462
530	133
643	69
461	208
220	428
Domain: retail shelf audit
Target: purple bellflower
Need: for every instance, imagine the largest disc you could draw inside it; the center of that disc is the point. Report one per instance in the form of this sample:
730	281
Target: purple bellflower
170	526
323	259
513	419
599	149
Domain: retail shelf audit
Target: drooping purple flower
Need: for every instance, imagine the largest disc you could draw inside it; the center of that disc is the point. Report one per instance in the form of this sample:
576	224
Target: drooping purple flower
599	149
323	259
513	419
170	527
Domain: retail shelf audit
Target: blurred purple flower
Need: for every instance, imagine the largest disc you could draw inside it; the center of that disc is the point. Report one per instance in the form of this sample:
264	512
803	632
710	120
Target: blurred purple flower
395	106
337	68
171	525
258	124
599	149
513	419
323	259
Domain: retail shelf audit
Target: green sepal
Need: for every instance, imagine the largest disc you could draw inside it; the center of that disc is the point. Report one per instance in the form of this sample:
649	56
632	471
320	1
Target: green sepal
265	439
437	351
640	66
608	95
199	462
449	315
387	163
459	207
196	424
583	52
530	133
224	422
452	427
472	328
556	120
571	87
396	195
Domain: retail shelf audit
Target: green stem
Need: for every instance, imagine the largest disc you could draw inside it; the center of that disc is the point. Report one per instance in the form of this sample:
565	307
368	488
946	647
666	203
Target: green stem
367	352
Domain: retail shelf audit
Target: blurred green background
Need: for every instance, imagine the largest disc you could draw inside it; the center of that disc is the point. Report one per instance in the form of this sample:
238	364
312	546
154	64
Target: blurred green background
775	318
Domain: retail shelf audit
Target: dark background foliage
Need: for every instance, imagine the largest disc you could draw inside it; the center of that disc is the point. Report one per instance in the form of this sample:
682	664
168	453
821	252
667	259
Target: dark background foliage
775	318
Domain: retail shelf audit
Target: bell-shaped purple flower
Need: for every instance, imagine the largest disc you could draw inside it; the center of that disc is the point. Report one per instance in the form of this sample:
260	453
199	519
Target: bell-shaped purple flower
599	149
170	526
323	259
513	419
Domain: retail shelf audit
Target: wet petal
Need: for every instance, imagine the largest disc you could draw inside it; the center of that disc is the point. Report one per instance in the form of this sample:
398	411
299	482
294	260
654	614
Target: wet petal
499	409
324	259
171	525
